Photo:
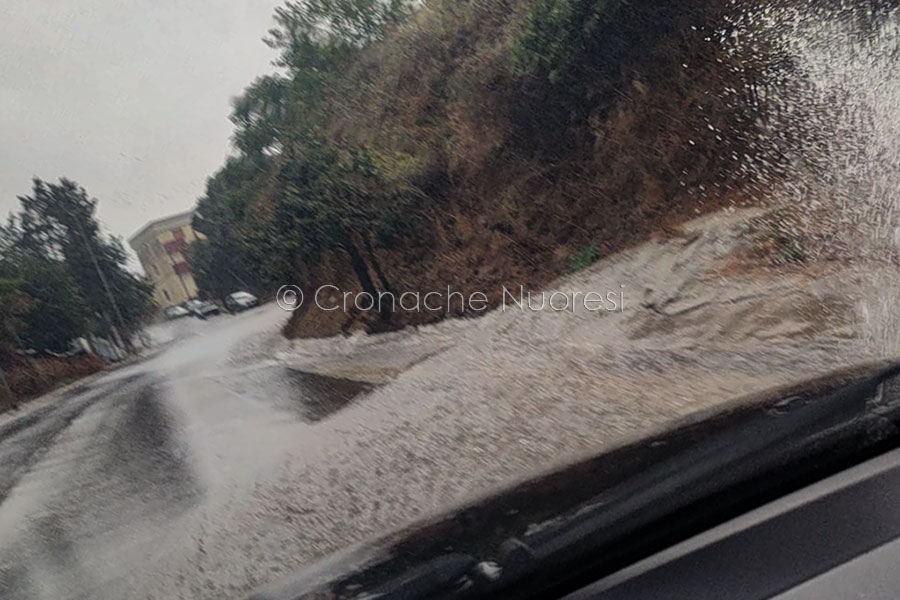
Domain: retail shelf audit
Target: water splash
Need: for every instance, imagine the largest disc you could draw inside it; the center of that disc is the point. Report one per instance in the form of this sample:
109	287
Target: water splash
831	131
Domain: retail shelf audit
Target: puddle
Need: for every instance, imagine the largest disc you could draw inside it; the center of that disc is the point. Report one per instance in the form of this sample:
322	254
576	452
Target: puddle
318	396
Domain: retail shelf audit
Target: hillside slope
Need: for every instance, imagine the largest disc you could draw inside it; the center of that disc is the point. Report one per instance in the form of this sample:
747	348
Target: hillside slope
478	144
532	172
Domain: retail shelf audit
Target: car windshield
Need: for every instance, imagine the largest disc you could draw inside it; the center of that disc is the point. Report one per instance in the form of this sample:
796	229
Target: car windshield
421	253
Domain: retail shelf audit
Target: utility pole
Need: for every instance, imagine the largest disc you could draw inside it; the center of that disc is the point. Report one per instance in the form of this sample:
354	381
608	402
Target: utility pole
112	300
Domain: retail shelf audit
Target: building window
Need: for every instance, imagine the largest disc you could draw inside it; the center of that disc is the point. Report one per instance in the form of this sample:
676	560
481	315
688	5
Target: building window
174	246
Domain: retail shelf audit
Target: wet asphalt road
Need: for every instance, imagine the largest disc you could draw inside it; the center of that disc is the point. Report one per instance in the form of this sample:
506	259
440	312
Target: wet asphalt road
98	483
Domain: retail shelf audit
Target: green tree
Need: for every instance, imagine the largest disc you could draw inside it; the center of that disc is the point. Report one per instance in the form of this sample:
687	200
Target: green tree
13	303
340	201
261	116
317	35
55	313
222	262
57	223
40	306
319	198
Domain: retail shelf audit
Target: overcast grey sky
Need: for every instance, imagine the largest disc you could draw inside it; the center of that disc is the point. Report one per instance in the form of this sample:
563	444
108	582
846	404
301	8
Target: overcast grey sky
130	98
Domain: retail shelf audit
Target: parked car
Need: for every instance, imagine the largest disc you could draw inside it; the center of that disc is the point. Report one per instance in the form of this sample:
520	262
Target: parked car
239	301
176	312
202	308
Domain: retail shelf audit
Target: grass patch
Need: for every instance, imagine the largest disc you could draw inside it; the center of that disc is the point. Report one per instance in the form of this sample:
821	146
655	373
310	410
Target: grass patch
583	258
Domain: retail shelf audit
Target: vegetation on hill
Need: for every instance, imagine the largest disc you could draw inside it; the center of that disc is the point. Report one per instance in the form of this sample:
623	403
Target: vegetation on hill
473	144
52	258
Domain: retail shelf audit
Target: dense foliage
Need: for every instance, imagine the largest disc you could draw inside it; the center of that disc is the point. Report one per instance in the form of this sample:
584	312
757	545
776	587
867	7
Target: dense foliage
323	198
469	143
58	271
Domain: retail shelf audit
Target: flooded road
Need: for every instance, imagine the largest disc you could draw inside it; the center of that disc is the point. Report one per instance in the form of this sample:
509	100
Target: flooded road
211	468
102	485
229	458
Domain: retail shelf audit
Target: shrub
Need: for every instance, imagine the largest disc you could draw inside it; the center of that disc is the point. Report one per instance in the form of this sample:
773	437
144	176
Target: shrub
583	258
556	32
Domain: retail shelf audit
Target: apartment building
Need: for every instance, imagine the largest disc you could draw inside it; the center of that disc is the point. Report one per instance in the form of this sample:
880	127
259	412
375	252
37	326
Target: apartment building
161	246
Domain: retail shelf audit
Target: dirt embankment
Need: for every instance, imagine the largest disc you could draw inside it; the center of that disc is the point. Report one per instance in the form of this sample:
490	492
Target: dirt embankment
29	378
528	176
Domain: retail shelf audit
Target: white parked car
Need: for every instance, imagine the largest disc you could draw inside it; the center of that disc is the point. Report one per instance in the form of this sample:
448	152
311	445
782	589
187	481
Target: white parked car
240	301
202	308
176	312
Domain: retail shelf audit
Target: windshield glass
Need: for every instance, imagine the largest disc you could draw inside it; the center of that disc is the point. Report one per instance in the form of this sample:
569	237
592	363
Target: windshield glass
420	252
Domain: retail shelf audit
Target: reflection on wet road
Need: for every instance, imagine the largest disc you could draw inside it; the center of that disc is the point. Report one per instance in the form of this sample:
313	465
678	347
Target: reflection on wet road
104	479
321	396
